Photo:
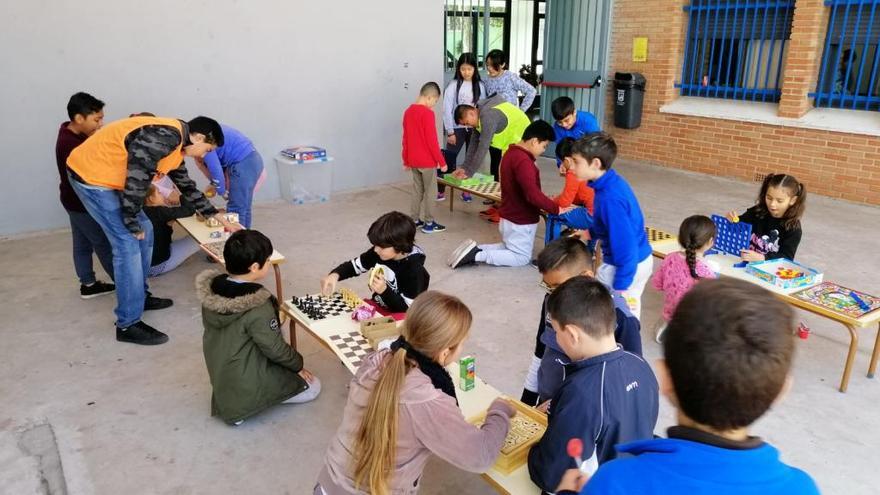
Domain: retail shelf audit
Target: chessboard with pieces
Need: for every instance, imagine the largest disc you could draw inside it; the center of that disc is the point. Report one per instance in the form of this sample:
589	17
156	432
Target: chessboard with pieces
657	235
351	348
318	307
526	429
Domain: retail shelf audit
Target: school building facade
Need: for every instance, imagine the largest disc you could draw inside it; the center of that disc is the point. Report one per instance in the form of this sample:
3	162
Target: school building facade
742	88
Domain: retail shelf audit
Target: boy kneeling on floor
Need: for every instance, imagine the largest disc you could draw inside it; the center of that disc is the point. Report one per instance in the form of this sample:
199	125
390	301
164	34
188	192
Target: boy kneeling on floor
251	366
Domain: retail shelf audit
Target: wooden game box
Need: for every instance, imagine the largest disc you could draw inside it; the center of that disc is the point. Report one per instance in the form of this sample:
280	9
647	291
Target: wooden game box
527	427
377	329
772	272
476	180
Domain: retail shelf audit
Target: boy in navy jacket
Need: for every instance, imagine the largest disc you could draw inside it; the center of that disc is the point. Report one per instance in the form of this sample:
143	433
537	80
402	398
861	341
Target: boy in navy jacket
728	351
561	260
609	395
617	219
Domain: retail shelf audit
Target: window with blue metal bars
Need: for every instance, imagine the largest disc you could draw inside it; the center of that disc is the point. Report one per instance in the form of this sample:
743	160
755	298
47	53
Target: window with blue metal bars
848	75
735	48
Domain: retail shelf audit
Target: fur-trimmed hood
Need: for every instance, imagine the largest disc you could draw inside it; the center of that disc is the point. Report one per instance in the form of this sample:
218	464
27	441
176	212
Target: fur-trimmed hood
223	305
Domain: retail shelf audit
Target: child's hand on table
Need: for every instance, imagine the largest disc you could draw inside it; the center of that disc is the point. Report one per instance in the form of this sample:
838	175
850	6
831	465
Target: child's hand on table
573	480
307	375
749	255
378	284
229	226
328	284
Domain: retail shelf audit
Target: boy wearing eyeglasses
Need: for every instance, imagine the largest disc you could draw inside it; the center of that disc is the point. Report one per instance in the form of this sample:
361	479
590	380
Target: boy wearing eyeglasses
561	260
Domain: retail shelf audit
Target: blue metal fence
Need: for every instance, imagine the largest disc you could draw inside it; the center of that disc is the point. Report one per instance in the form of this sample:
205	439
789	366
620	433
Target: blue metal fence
848	74
735	48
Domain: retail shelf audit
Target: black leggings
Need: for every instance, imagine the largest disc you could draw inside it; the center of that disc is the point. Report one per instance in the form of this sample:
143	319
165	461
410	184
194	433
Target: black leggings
494	161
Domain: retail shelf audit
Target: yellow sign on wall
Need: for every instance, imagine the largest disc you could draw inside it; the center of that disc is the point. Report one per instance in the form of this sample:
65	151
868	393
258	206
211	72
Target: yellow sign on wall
640	49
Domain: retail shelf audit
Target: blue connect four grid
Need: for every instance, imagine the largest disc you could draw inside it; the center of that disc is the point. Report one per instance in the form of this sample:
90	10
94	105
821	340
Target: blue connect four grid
730	237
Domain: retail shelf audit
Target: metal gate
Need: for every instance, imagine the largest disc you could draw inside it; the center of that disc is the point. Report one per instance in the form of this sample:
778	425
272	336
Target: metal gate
576	42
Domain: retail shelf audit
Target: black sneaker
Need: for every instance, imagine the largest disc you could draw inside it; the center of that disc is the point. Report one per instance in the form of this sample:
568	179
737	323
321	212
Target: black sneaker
151	303
96	289
140	333
466	254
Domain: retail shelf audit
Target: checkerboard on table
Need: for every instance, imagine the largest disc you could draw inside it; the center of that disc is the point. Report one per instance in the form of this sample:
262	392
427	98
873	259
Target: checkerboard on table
492	188
319	307
351	348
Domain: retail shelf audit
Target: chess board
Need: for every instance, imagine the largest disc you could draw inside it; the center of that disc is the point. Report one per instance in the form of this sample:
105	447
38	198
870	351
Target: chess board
316	307
656	235
351	348
489	188
731	237
215	249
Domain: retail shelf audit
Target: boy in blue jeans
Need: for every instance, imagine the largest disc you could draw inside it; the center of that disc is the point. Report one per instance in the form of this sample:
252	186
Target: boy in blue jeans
617	220
560	261
238	160
728	351
609	395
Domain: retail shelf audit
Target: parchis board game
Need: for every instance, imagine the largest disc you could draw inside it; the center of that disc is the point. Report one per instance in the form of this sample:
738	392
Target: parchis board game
840	299
784	273
526	428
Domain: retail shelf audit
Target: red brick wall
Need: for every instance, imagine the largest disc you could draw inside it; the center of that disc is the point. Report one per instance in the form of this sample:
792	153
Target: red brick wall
835	164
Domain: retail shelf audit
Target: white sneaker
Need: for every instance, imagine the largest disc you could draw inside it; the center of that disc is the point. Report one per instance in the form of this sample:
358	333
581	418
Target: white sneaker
460	251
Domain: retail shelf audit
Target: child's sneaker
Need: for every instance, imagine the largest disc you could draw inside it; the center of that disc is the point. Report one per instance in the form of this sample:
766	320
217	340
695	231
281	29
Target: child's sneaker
494	218
465	254
488	212
488	201
441	196
140	333
466	197
430	228
419	223
96	289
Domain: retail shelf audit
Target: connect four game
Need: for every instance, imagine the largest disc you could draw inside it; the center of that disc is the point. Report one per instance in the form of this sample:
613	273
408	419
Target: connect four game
730	237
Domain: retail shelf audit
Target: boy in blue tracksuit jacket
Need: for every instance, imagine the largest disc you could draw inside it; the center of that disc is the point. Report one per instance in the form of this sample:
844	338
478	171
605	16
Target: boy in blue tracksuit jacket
728	351
609	395
559	261
617	219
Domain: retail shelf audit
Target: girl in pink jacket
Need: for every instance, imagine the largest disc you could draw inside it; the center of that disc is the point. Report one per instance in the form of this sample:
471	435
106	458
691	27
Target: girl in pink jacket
402	408
683	269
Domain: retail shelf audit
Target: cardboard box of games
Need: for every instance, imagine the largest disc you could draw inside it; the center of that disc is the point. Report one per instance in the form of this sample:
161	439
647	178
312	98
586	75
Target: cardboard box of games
304	153
784	273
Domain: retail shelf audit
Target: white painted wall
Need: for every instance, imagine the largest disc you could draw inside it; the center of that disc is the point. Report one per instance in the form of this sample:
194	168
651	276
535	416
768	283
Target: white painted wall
326	72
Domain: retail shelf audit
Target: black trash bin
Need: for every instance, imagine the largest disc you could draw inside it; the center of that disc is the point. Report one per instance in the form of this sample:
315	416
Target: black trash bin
629	93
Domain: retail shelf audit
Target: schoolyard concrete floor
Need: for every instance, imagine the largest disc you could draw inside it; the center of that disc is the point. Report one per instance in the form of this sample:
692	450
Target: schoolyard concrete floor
84	414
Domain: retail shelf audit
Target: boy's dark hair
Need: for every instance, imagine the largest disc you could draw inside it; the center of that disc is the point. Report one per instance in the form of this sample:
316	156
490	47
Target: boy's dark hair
461	110
244	248
430	89
596	145
565	252
83	104
585	303
728	348
539	130
395	230
562	107
794	188
496	58
209	127
142	114
563	148
695	232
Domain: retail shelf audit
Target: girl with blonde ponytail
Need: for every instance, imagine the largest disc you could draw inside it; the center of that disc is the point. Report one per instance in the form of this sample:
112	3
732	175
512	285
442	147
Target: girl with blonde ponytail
402	408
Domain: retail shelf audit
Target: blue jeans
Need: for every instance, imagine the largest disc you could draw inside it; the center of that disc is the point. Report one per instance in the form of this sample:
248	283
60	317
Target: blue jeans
243	178
88	238
131	257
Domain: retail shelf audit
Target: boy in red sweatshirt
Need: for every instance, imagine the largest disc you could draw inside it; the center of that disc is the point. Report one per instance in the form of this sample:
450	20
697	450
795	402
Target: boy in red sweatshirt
521	203
421	154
